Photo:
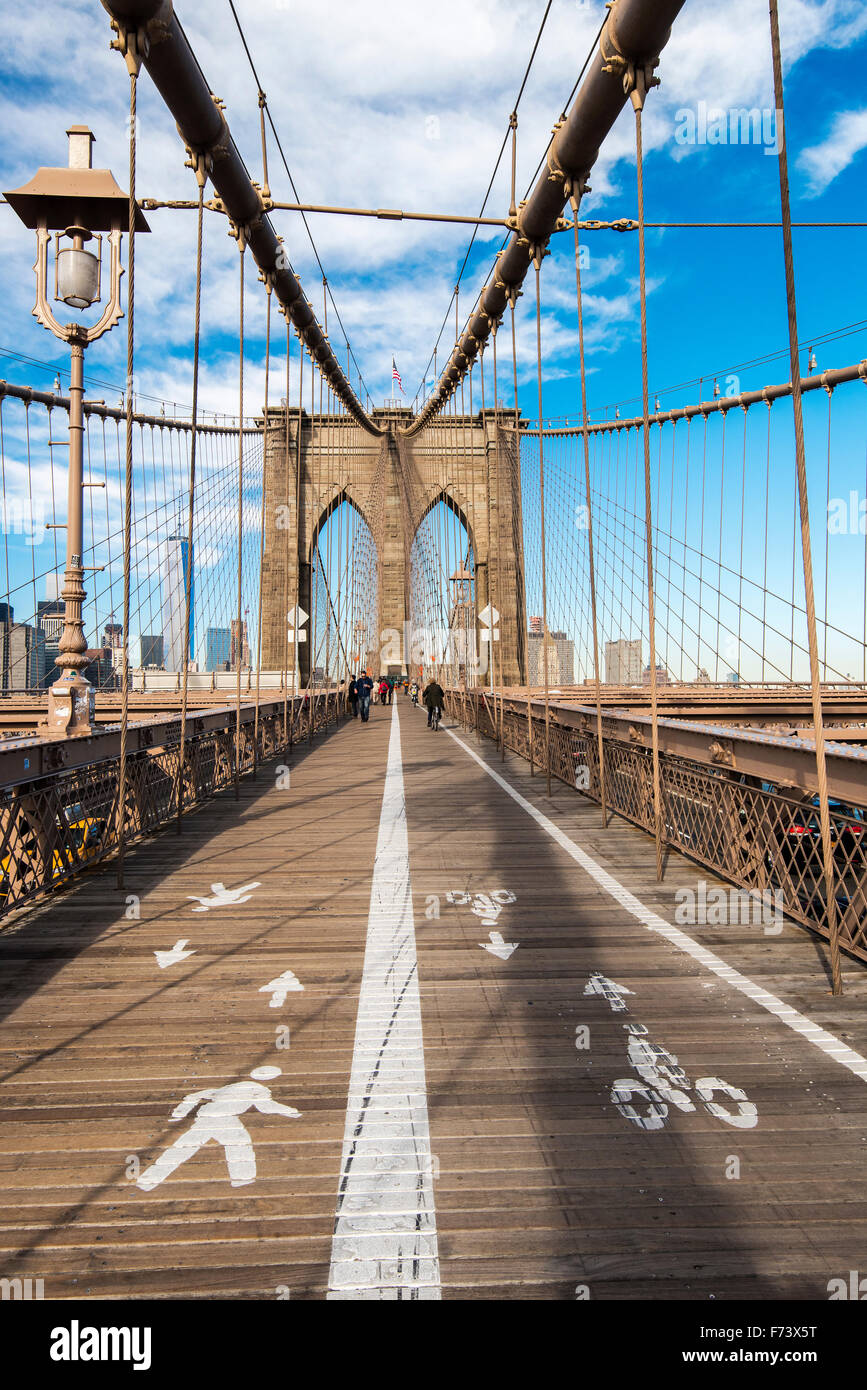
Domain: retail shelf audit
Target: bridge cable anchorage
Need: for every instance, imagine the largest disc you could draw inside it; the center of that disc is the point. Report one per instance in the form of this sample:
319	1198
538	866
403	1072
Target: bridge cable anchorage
201	177
803	502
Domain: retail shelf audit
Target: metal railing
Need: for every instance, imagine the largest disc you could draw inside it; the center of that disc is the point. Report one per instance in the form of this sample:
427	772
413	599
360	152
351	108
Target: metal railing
743	828
63	820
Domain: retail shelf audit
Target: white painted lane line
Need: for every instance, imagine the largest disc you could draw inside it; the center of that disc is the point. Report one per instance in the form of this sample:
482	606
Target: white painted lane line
385	1241
825	1041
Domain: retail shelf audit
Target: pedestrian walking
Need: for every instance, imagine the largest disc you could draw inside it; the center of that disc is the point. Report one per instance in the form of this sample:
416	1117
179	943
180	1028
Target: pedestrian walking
365	691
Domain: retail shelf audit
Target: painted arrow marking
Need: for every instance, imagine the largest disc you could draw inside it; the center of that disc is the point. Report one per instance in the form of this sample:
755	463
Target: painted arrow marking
498	947
167	958
221	896
600	984
279	988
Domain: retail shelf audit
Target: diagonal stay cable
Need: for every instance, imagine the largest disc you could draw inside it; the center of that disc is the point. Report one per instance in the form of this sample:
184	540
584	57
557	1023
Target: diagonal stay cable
294	189
499	159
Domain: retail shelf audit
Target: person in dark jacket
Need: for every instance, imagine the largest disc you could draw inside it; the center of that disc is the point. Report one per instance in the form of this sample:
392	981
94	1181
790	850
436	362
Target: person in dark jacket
365	690
352	696
434	698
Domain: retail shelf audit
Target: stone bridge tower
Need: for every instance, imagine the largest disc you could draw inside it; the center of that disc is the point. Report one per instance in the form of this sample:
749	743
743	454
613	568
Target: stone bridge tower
469	463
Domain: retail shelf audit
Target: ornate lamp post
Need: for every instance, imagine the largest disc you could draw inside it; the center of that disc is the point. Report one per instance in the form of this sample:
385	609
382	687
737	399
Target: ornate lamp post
76	203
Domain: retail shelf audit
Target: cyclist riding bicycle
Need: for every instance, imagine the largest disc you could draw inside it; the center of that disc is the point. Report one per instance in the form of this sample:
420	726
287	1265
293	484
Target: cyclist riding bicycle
434	698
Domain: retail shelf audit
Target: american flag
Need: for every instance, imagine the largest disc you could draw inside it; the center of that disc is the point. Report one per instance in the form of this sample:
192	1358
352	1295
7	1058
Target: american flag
395	376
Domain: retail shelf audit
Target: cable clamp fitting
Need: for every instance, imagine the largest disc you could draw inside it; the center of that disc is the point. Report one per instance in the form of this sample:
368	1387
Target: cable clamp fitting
574	189
238	234
200	162
637	78
135	44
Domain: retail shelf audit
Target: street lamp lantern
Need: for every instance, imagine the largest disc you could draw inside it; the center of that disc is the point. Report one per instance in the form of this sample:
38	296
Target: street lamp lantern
77	272
78	204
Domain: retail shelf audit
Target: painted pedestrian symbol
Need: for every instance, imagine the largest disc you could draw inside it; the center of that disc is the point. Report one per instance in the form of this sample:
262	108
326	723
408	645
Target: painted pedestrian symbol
221	896
218	1119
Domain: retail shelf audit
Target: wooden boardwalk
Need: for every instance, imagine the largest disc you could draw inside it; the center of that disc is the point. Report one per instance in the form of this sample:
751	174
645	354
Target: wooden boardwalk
490	1154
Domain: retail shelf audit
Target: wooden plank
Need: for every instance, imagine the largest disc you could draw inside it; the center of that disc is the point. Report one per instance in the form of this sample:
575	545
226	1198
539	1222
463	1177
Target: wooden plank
540	1183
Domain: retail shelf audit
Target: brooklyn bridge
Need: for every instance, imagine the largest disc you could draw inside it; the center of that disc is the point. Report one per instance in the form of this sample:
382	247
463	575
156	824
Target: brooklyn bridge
564	998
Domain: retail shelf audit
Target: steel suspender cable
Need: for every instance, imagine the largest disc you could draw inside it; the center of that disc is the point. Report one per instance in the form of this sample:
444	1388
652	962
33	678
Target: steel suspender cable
544	648
498	515
590	560
188	568
262	526
806	555
239	643
637	96
513	299
133	63
296	683
286	532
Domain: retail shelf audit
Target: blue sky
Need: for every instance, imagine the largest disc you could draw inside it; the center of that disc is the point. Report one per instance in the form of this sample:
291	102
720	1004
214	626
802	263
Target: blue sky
403	106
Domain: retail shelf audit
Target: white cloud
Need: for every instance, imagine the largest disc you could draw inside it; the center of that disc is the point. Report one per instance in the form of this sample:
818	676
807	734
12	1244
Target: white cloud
823	162
357	93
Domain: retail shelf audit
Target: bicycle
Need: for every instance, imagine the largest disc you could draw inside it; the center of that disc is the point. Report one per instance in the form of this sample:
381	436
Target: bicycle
435	716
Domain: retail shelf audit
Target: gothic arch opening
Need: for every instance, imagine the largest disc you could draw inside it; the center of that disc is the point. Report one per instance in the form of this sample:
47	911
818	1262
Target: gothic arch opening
443	592
344	592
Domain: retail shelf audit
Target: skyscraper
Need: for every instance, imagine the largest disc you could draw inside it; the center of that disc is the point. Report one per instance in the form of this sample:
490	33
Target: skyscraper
113	643
623	662
177	557
18	652
551	651
152	650
244	645
49	625
218	649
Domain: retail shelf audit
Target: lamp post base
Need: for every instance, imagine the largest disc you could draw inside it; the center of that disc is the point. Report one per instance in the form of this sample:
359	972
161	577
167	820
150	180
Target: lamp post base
71	708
